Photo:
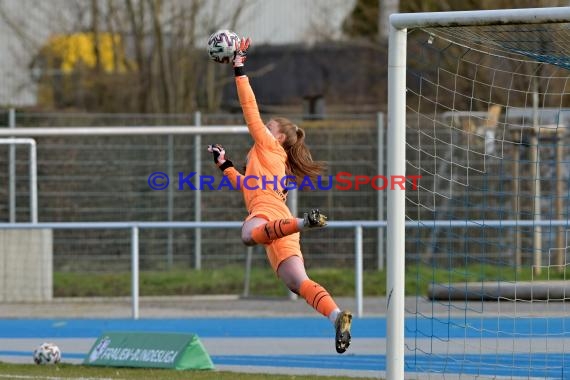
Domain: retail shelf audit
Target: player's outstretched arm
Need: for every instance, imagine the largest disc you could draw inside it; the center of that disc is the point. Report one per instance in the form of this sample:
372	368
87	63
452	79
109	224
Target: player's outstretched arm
257	129
225	165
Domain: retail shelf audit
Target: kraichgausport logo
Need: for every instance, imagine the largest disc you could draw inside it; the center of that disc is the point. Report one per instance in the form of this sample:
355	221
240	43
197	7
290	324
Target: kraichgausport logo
343	181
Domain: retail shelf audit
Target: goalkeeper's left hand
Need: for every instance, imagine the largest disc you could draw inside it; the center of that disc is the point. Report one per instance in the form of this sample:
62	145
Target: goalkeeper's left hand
219	154
241	51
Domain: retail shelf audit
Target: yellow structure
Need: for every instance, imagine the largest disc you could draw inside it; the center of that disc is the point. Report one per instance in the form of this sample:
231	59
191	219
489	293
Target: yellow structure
72	50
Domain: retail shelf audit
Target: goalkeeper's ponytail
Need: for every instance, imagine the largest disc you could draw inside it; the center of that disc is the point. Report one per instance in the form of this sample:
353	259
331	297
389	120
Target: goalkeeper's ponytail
299	160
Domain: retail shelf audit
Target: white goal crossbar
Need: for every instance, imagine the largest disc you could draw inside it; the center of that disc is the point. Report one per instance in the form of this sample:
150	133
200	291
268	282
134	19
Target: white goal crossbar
487	17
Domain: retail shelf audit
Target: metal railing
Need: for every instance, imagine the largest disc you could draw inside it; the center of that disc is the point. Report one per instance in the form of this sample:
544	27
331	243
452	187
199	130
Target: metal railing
356	225
135	228
196	130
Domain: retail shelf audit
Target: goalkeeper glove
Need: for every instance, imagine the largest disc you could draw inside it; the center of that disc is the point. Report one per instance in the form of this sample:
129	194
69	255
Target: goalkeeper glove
240	55
219	154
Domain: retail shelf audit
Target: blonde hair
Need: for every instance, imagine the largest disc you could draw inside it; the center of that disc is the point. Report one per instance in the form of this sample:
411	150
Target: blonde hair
299	160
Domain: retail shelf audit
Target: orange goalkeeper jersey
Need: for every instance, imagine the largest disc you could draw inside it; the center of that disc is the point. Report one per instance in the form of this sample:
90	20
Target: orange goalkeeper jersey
265	160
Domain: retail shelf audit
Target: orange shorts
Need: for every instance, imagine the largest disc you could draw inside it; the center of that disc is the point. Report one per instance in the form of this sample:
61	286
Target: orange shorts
279	249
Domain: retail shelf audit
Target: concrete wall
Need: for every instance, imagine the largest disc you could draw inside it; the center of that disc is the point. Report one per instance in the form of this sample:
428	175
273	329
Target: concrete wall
26	265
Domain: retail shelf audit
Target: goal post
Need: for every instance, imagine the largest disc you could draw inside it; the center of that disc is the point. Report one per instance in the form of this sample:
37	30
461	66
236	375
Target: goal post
477	105
396	205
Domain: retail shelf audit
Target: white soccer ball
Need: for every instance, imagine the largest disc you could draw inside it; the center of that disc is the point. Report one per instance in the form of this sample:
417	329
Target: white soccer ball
221	46
47	353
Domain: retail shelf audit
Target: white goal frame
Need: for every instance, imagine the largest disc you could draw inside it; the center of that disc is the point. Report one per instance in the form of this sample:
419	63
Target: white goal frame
33	180
396	142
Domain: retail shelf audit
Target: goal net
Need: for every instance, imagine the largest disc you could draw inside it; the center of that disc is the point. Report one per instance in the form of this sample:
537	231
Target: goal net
483	119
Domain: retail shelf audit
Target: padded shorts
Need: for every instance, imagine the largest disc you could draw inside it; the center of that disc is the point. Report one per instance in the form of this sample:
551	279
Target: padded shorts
282	248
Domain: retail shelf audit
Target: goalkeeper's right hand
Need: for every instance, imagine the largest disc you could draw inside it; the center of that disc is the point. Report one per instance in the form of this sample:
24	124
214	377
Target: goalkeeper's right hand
219	154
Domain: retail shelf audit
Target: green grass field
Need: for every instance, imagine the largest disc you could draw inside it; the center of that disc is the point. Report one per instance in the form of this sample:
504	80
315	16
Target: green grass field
70	371
230	280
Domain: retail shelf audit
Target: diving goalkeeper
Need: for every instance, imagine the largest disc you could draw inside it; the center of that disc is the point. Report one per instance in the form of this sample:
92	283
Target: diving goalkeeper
278	151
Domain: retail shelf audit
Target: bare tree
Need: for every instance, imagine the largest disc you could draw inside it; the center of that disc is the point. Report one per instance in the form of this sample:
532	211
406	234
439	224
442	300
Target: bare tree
213	72
25	27
147	55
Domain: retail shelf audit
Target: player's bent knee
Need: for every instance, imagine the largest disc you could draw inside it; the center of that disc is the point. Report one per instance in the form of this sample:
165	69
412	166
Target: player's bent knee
294	287
249	243
247	240
291	284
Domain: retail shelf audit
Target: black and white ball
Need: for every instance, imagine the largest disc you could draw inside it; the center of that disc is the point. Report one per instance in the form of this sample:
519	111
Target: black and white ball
221	46
47	353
